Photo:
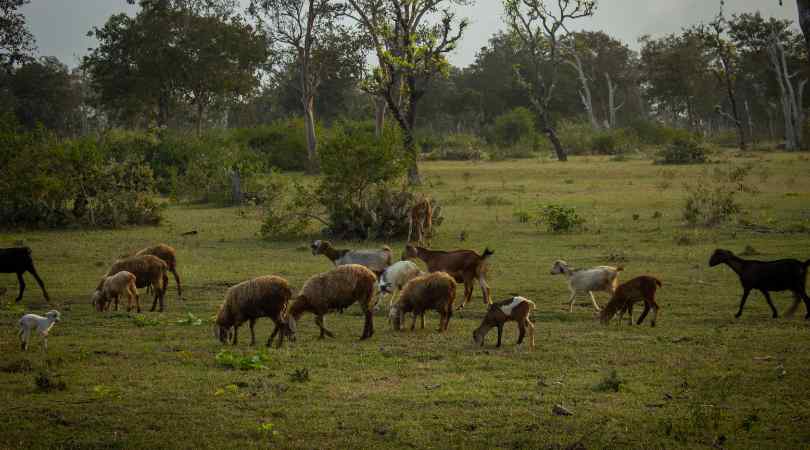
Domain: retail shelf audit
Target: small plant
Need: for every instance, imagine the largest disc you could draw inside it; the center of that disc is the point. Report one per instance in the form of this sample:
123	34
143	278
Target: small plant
611	383
142	320
190	319
233	361
559	219
683	151
45	383
267	430
709	205
103	391
300	375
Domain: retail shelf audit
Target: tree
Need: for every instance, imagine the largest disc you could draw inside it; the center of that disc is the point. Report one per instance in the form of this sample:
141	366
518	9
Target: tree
45	93
541	29
803	7
307	34
16	42
172	52
723	63
411	52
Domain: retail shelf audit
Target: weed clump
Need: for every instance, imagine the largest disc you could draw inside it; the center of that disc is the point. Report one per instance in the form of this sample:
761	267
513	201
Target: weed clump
611	383
683	151
44	382
231	360
300	375
560	219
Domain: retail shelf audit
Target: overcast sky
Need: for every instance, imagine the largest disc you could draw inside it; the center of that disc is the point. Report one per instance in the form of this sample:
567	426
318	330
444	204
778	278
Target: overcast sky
60	26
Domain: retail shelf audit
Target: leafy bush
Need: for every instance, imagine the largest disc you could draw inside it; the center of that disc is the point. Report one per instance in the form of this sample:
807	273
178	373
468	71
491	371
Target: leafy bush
683	152
48	182
513	127
652	133
611	383
725	138
558	219
281	144
580	138
453	147
614	142
576	137
712	200
231	360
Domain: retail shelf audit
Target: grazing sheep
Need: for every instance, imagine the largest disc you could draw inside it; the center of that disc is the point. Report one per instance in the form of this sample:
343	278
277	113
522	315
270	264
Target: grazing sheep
518	309
114	286
394	278
169	255
766	276
436	291
18	260
638	289
148	270
265	296
581	281
375	260
465	266
43	325
336	289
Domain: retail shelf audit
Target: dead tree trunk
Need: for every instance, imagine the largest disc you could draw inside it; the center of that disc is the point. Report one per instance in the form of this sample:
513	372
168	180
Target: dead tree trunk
612	108
585	91
792	111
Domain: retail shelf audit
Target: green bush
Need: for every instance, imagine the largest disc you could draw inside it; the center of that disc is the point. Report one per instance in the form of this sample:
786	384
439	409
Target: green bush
614	142
281	144
683	151
53	183
576	137
454	147
559	219
652	133
725	138
513	127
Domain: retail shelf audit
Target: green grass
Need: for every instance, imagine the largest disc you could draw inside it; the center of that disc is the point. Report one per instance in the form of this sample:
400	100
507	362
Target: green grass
699	378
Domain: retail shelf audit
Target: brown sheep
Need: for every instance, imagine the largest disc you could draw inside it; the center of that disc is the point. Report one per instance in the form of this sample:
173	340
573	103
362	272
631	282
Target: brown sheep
638	289
122	283
336	289
169	255
436	291
465	266
249	300
148	270
518	309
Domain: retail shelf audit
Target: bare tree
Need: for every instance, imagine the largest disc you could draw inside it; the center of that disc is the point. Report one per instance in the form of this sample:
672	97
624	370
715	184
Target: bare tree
541	28
791	98
803	7
411	51
308	35
585	90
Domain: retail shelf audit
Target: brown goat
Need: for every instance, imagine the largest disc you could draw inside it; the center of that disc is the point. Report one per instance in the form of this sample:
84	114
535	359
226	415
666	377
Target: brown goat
465	266
148	270
638	289
518	309
420	221
333	290
436	291
169	255
247	301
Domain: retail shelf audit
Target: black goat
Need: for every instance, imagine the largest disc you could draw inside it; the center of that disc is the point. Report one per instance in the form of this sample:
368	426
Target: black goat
18	260
766	276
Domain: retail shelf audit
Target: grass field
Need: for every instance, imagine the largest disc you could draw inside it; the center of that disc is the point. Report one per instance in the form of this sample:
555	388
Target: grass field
699	379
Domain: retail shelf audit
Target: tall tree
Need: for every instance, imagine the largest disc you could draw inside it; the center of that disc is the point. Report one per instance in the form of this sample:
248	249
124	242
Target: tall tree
16	42
541	28
45	93
411	51
308	35
803	7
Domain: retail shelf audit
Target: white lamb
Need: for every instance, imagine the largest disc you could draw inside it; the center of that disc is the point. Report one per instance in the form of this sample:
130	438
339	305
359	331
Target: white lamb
43	325
394	278
580	281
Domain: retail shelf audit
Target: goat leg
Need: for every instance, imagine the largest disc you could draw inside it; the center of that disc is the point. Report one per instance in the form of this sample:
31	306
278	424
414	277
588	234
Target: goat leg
39	282
21	282
530	326
571	301
770	303
324	331
643	315
482	281
368	327
521	331
593	299
746	291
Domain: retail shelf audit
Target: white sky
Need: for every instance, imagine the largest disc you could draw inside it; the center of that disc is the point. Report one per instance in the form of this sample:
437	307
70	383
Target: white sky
60	26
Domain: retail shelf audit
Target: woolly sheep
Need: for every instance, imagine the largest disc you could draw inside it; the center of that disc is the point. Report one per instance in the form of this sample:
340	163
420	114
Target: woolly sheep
112	287
436	291
169	255
336	289
249	300
395	277
148	270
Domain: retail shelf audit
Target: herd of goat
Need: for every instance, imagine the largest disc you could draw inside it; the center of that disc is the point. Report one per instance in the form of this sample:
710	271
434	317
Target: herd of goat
359	275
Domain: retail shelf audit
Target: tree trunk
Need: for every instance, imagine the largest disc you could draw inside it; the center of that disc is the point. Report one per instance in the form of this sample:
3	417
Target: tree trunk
200	113
236	187
791	106
804	22
379	115
410	142
585	92
555	141
613	109
163	110
750	124
312	142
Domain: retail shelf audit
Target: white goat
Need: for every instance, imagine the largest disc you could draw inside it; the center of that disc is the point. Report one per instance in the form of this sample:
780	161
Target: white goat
43	325
580	281
394	278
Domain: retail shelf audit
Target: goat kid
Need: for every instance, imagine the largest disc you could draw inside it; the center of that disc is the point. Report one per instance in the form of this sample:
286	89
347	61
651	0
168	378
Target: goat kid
30	322
517	309
639	289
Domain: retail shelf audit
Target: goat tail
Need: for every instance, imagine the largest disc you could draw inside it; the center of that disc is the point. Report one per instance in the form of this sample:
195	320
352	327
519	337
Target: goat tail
658	282
619	268
487	253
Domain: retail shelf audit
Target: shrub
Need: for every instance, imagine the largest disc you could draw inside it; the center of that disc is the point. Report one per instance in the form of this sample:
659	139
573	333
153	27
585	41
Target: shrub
454	147
683	152
232	361
47	182
513	127
576	137
614	142
281	144
709	205
611	383
558	219
653	133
